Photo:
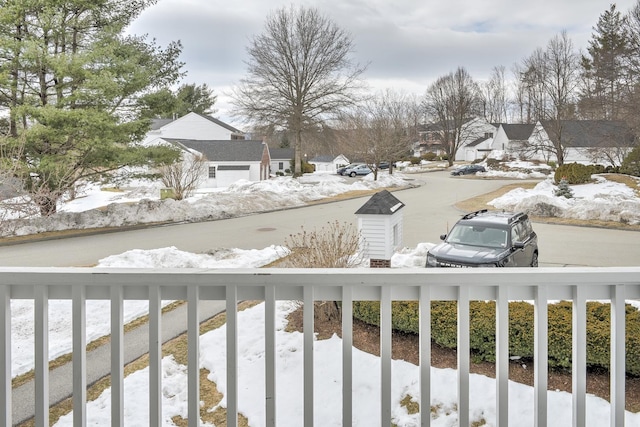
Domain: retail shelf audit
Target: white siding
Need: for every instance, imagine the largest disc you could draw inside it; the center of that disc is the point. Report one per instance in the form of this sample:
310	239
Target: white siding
192	126
224	178
377	233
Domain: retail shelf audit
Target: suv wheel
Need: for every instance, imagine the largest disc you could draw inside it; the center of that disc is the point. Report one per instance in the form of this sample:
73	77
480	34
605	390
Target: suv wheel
534	259
352	174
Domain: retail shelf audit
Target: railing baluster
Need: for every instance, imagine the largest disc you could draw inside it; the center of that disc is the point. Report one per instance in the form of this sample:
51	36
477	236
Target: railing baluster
463	355
308	328
385	355
155	356
117	356
347	356
270	354
5	355
579	357
541	351
232	355
41	367
617	365
425	356
193	355
79	356
502	357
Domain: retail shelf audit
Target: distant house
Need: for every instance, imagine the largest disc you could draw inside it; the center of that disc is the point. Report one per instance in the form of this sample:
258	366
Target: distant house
327	163
229	161
512	137
281	159
476	138
193	126
583	141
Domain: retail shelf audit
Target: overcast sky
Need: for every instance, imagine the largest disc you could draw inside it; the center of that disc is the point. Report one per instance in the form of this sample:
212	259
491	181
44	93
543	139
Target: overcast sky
407	43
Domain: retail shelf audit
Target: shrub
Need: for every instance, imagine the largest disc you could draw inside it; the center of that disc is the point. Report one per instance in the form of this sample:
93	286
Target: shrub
414	160
429	156
405	318
575	173
631	163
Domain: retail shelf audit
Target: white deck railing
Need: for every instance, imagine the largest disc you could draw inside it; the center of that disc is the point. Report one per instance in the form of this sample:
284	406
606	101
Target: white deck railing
385	285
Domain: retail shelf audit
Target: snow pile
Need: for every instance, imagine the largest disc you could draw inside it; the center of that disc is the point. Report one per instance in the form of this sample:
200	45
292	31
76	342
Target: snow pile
142	205
603	200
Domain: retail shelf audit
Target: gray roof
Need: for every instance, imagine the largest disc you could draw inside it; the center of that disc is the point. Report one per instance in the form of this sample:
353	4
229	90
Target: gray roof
325	158
225	150
591	133
517	132
221	123
158	123
381	203
281	153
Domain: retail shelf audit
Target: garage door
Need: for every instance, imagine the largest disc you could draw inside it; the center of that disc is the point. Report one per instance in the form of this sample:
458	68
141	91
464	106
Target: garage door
228	174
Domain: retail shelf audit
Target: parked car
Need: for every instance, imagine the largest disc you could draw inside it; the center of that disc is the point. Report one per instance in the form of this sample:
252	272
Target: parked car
357	170
383	165
468	170
487	239
341	170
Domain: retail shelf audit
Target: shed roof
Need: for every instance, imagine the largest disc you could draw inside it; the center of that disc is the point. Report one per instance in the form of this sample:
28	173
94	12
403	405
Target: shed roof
518	132
381	203
281	153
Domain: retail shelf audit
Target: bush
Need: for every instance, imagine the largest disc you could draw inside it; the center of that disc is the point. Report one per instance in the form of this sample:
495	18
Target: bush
405	318
631	163
429	156
574	173
414	160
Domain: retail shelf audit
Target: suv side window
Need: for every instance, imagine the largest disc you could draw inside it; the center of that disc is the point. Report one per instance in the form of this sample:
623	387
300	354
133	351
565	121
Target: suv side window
519	232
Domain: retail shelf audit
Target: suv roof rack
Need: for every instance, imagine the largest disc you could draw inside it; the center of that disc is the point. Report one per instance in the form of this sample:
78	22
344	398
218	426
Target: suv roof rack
517	217
473	214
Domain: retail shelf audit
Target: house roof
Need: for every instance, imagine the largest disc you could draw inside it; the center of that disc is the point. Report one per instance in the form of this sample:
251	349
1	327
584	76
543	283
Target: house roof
517	132
477	142
158	123
224	150
591	133
381	203
323	159
220	123
281	153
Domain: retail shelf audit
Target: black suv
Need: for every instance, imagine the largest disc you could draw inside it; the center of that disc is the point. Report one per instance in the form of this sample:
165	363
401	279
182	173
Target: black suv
487	239
468	170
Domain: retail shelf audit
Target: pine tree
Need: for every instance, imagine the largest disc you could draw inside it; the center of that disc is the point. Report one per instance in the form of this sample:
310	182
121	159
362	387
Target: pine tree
604	69
70	81
563	189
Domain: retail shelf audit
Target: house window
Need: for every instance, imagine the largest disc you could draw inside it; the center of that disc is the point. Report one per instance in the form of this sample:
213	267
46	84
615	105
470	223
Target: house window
280	165
212	172
395	236
488	134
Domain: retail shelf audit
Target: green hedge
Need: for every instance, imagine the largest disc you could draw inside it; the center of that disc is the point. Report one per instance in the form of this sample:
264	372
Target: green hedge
574	173
405	318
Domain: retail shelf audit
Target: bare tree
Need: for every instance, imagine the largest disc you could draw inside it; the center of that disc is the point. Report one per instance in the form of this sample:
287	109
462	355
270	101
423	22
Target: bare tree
299	73
380	129
183	176
494	96
451	102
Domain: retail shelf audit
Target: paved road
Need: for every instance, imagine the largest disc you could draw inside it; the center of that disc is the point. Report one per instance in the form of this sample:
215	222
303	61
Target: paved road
429	211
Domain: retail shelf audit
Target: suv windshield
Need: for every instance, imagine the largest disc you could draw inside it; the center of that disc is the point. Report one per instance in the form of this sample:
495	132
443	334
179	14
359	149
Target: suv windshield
476	235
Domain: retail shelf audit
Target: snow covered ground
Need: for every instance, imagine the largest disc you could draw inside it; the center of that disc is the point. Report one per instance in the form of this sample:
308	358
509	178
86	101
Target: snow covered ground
602	200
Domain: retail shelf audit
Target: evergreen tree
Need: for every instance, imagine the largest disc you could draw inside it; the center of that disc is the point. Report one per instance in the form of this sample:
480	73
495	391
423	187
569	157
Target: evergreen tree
70	80
563	189
604	69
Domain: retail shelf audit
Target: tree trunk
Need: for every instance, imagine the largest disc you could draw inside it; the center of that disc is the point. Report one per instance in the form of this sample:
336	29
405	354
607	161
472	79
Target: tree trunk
297	166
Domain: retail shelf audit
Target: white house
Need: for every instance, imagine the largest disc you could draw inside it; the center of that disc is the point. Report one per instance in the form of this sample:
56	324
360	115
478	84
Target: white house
476	139
229	161
281	159
583	141
512	137
193	126
327	163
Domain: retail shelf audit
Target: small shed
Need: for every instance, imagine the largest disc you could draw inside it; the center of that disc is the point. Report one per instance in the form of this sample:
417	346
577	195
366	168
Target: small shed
380	226
329	163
